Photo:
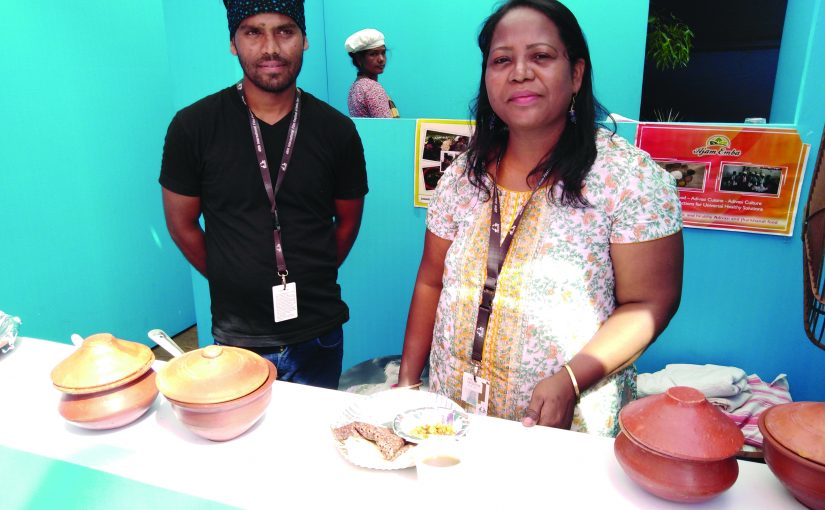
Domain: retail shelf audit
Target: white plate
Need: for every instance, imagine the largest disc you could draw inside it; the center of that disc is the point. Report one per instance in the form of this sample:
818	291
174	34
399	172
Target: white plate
406	422
381	409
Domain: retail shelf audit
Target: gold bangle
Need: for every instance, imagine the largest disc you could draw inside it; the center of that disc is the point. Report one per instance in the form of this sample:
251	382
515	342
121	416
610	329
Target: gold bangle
410	387
573	380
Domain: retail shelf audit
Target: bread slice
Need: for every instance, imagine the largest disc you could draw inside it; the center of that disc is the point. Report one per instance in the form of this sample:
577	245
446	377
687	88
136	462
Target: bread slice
342	433
368	430
385	439
388	442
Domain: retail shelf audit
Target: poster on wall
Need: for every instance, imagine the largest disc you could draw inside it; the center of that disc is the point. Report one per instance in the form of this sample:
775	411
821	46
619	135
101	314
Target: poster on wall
731	178
437	144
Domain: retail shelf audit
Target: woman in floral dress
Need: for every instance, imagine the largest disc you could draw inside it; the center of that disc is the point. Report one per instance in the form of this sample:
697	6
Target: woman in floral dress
594	269
367	98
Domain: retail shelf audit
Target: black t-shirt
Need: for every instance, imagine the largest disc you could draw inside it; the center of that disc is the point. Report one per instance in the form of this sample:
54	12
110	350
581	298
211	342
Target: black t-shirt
208	153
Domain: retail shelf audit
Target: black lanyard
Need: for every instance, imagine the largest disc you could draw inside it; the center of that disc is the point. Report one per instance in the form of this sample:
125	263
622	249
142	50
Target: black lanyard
496	254
260	152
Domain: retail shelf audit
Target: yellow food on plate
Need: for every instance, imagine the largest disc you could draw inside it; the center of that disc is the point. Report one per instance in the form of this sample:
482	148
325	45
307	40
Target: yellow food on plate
436	429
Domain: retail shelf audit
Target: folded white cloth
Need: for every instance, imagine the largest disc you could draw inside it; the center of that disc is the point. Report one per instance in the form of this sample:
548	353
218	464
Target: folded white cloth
733	402
711	380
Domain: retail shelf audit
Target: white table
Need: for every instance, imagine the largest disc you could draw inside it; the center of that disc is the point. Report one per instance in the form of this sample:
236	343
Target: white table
290	453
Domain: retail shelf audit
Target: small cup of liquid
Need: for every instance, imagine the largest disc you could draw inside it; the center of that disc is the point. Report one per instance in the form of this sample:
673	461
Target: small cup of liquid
438	460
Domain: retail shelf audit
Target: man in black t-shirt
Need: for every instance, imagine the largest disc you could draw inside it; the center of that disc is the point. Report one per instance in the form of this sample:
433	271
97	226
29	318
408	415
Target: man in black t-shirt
212	166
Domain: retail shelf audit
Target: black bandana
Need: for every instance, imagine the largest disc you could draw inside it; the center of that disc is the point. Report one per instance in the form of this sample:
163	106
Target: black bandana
239	10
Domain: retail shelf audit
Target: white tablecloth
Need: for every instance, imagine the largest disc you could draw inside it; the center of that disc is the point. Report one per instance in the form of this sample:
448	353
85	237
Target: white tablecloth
289	457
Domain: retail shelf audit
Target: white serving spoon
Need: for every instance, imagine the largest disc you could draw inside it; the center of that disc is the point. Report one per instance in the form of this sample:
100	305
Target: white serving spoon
77	340
166	343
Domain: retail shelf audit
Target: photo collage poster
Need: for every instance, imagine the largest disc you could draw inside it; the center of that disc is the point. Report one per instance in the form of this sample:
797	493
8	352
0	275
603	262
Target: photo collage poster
437	144
731	178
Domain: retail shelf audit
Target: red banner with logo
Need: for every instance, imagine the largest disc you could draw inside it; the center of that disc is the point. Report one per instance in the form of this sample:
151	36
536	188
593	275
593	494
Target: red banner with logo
731	178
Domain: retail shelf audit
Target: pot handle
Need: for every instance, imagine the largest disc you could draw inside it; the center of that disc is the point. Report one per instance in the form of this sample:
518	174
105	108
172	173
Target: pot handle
166	343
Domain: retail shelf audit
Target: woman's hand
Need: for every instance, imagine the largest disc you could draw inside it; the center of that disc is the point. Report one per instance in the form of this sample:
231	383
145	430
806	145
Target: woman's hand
552	402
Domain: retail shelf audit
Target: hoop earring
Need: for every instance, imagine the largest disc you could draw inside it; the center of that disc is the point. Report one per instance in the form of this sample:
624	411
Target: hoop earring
571	114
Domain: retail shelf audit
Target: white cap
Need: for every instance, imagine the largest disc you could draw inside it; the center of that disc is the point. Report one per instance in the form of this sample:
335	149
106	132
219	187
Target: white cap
366	39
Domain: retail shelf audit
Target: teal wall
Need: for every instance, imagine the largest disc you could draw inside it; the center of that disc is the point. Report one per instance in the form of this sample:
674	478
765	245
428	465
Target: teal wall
85	247
197	42
433	64
801	17
377	278
85	96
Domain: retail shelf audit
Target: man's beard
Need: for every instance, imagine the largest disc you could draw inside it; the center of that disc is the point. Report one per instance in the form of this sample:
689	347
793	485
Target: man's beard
265	81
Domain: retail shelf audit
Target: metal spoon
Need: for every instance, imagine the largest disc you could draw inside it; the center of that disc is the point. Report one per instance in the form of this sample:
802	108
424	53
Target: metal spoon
166	343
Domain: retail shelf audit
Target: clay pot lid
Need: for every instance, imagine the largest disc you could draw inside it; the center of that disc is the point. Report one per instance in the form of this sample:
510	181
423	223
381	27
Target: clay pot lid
681	423
799	427
102	362
217	373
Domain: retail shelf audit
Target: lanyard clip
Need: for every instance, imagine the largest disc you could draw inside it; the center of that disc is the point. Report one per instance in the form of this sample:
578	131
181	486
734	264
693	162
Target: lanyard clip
283	277
476	366
487	295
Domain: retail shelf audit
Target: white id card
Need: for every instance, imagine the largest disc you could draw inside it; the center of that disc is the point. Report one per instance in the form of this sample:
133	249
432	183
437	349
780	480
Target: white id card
476	392
285	302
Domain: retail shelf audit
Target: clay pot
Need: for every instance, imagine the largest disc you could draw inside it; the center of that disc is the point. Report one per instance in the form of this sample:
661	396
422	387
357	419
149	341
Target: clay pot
671	478
218	392
794	448
106	383
678	446
112	408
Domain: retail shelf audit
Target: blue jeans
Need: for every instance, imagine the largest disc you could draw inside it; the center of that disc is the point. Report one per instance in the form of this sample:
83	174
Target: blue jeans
316	362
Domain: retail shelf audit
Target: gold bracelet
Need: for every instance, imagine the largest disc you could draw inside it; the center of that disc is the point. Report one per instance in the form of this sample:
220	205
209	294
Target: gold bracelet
573	380
410	387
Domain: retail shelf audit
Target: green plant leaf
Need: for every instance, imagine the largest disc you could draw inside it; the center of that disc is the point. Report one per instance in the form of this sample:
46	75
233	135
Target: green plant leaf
668	42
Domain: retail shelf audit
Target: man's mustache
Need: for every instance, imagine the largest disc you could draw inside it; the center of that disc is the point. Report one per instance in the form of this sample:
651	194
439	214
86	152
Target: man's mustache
272	58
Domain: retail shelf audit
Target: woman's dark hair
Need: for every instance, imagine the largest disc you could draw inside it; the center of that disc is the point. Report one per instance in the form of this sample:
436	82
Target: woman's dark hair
355	60
575	152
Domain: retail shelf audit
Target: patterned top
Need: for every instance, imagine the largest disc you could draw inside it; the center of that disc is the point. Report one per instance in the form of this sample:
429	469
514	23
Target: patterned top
556	285
367	98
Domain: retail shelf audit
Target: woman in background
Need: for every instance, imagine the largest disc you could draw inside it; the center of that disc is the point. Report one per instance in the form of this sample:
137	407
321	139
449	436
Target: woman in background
367	98
553	251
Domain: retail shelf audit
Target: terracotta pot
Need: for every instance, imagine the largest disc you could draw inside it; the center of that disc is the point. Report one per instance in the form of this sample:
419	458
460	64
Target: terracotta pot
681	480
678	446
681	423
793	446
223	421
216	373
218	392
106	382
111	408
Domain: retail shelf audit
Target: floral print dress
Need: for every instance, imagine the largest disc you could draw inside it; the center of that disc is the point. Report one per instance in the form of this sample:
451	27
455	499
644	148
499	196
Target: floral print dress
556	287
367	98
